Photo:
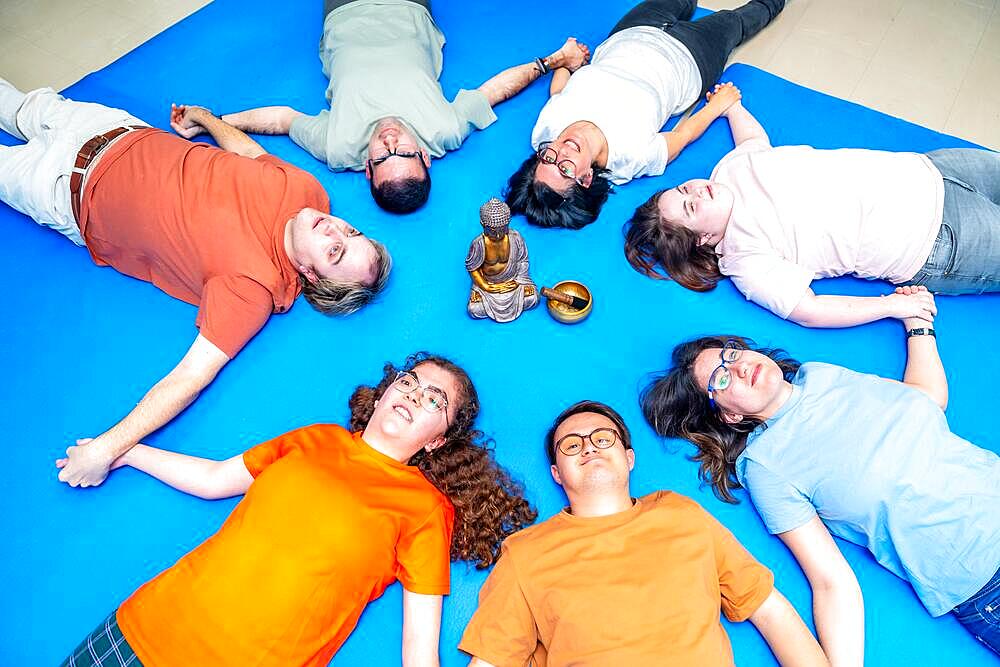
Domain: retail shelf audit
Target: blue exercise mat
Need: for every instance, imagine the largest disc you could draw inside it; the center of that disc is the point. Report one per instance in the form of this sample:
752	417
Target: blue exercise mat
81	344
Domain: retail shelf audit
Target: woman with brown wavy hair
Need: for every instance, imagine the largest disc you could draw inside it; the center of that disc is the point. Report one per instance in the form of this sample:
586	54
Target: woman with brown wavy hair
823	450
329	519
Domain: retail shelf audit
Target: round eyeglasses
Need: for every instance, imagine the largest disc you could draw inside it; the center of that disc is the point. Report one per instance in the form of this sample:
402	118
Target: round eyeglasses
572	443
432	399
721	377
548	155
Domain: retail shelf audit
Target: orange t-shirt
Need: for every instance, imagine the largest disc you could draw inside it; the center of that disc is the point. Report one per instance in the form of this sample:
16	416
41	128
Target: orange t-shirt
640	587
326	526
204	225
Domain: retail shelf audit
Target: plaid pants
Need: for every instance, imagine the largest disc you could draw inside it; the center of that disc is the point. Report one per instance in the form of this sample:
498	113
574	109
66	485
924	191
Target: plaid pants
104	647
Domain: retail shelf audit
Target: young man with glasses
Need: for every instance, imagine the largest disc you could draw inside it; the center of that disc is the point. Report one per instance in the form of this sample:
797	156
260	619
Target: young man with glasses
232	230
602	124
614	579
388	114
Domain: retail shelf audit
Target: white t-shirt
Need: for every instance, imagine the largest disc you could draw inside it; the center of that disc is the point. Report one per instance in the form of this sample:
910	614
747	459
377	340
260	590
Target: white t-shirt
637	79
801	213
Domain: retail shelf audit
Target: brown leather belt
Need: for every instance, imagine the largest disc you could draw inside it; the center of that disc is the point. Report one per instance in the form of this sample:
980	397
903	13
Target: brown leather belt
91	150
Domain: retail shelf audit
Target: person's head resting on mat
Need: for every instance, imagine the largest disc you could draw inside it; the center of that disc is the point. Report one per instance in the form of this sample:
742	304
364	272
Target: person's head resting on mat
678	229
562	184
398	167
424	414
590	456
340	269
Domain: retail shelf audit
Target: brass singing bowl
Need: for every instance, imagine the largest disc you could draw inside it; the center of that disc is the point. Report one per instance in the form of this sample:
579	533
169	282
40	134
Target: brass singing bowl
568	314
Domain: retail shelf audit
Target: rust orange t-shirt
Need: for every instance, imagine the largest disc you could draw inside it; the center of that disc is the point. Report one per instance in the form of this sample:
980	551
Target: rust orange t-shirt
640	587
204	225
326	526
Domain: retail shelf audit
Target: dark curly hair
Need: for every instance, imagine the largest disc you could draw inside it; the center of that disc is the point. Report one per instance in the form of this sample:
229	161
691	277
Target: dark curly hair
545	207
489	504
402	196
676	406
651	239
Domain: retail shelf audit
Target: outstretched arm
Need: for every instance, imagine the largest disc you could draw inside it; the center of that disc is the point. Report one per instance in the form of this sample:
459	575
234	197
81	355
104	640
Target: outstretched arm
189	122
691	128
570	57
838	608
88	462
421	629
743	125
830	311
924	369
786	634
204	478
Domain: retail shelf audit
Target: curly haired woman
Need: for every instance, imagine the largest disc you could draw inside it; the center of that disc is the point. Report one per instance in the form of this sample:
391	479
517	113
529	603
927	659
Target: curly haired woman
823	449
329	520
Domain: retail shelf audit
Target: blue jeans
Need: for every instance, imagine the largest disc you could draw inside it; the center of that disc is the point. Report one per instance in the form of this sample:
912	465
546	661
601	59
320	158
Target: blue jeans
980	614
965	258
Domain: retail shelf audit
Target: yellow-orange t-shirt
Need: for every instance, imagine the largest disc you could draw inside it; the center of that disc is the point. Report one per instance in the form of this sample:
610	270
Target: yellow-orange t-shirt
641	587
326	526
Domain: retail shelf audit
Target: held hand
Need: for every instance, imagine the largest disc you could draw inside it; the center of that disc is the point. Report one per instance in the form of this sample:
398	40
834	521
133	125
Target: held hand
85	464
920	310
572	55
723	97
925	317
184	120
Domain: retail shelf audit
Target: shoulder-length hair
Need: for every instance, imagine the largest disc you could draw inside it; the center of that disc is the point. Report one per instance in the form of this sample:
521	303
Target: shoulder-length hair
676	406
489	505
651	240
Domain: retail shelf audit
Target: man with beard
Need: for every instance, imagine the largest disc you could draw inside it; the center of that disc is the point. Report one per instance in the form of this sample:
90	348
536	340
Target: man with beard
614	579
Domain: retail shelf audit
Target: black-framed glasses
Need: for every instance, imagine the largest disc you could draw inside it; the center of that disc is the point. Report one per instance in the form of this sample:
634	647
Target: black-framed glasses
571	444
432	399
548	155
721	377
386	153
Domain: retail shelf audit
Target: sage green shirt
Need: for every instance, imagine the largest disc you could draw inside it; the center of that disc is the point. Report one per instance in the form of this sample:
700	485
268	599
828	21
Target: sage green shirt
383	58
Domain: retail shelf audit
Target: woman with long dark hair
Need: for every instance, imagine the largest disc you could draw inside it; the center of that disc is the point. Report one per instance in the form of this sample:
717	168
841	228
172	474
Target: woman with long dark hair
775	218
329	519
822	449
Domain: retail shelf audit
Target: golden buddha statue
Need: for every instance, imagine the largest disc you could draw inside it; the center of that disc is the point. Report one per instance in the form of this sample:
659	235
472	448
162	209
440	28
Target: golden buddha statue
498	265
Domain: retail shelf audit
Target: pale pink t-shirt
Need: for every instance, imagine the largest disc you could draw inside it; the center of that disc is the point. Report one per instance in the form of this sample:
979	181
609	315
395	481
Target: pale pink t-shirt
802	213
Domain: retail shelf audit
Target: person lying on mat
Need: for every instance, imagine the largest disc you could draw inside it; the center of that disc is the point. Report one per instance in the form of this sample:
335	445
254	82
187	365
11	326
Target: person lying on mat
823	449
602	124
329	519
775	218
388	115
616	580
233	230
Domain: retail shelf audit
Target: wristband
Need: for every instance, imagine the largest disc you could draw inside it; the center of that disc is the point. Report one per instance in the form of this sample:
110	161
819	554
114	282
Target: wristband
922	331
542	66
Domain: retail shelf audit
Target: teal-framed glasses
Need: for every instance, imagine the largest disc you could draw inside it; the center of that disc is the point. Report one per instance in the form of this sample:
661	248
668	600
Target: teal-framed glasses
721	378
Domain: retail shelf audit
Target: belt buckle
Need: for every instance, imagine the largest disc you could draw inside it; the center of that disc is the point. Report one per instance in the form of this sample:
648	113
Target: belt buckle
102	141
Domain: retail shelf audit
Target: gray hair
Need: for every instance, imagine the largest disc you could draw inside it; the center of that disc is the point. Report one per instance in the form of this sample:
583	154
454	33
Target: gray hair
337	297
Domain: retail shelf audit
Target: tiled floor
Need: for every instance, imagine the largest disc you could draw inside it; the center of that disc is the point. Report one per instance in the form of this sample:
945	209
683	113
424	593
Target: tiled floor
934	62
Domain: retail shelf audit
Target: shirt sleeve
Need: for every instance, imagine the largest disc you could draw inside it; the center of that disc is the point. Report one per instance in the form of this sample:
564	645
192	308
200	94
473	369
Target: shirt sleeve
233	309
656	157
743	582
502	631
747	147
782	506
769	280
423	554
473	111
257	458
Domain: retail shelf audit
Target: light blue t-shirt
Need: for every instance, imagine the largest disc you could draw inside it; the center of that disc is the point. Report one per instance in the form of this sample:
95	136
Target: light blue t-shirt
875	459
